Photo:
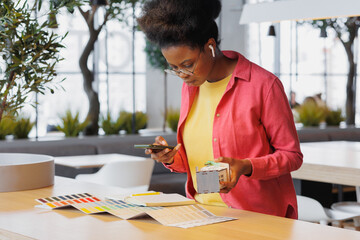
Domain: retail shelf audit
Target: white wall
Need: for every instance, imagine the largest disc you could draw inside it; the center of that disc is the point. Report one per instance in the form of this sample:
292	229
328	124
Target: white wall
233	37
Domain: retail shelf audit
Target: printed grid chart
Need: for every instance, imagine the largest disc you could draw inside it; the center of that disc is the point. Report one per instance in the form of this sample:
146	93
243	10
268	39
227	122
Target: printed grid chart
186	216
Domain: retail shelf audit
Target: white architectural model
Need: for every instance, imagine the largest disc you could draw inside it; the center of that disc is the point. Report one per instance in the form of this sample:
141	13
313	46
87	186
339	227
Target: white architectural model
209	177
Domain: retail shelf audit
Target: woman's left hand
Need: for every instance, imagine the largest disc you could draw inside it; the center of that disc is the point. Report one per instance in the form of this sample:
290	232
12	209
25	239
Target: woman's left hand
238	167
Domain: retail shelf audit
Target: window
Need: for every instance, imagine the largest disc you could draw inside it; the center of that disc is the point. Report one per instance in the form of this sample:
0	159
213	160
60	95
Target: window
308	64
114	73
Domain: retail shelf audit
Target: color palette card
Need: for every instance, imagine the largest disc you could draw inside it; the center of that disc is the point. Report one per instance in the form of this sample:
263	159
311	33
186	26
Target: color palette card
159	200
67	200
117	208
125	210
186	216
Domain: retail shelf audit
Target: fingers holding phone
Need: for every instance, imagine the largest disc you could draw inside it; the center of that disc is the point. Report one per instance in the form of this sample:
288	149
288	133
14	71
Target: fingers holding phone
166	155
160	151
159	140
161	144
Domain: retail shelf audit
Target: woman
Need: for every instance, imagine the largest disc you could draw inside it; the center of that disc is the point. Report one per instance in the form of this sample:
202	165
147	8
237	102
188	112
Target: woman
232	111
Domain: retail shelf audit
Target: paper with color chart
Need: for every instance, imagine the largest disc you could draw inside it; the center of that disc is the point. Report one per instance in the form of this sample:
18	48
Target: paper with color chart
186	216
66	200
180	216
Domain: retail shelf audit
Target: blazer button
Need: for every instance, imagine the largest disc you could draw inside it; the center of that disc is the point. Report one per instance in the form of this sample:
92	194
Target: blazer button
214	139
218	115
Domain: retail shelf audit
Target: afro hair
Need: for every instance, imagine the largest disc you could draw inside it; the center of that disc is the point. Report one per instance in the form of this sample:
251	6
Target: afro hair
180	22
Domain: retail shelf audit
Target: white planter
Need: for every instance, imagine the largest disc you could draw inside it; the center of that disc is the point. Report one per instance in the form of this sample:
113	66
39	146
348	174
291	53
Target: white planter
22	171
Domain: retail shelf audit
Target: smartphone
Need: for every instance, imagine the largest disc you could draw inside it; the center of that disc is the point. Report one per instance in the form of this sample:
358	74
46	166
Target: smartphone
152	146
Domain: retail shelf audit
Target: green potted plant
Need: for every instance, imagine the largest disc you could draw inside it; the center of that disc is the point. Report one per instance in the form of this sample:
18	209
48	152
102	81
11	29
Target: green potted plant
6	126
333	117
173	119
29	52
126	119
71	125
310	114
111	127
22	127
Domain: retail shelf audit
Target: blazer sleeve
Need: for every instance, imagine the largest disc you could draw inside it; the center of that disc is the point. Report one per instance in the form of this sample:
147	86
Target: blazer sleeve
278	121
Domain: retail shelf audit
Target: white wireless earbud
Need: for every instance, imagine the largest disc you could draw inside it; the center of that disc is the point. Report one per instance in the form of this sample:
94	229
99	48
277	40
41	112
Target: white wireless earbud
212	50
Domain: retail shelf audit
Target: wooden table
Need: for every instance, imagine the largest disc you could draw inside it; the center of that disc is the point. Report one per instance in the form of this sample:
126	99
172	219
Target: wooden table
331	162
93	161
18	216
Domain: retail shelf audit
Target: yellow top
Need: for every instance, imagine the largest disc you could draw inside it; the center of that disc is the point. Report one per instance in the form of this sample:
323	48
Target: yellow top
198	130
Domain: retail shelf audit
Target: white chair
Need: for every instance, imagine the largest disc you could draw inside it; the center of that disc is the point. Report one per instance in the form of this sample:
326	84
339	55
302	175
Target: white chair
349	208
311	210
132	175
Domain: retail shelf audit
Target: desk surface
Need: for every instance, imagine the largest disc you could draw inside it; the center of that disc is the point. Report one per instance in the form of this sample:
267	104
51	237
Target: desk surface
339	145
332	162
18	215
93	161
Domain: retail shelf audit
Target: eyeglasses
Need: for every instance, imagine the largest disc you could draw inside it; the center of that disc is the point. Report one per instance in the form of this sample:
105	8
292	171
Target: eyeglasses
183	71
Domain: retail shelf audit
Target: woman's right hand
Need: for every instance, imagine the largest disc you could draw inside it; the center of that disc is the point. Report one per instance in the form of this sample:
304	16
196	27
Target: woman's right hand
165	156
